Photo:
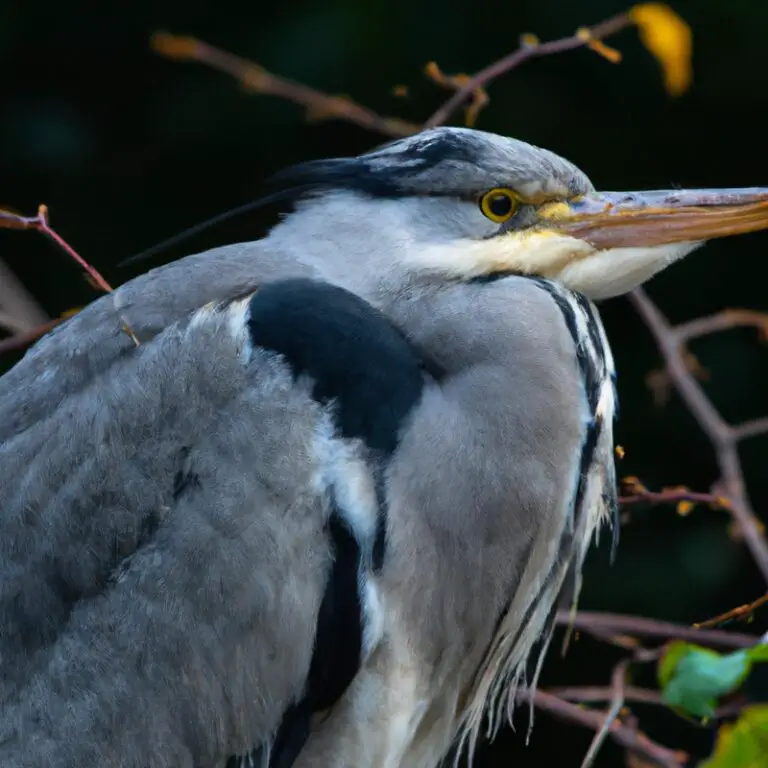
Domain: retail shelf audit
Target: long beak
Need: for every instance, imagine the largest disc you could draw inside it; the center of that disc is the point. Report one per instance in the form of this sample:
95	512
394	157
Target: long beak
624	219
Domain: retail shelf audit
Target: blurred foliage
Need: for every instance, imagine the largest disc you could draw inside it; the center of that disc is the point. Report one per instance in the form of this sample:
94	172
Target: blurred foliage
743	744
127	148
693	678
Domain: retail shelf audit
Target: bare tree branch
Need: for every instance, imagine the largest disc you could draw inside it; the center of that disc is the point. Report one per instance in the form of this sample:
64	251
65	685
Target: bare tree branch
739	613
618	681
252	76
724	437
20	312
22	340
322	105
619	624
40	223
674	496
723	321
529	48
627	737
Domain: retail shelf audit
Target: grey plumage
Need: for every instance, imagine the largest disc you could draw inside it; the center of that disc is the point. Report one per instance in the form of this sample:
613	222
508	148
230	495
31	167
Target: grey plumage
165	554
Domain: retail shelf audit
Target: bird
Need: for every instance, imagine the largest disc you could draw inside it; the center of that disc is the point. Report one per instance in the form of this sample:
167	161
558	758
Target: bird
316	499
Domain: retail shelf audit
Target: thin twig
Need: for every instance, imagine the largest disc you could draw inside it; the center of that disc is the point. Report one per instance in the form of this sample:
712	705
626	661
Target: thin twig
627	737
10	220
741	612
723	437
723	321
600	693
618	680
11	323
480	98
596	694
21	312
620	624
22	340
752	428
529	49
40	223
319	105
674	497
322	106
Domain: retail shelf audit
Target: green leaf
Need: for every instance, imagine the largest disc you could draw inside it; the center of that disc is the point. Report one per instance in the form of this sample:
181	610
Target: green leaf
758	653
743	744
693	678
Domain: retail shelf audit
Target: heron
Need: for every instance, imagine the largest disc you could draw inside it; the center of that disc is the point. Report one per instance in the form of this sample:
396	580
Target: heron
321	505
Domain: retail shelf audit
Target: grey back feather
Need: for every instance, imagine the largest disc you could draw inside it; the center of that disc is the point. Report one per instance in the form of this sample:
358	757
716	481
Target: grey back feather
151	523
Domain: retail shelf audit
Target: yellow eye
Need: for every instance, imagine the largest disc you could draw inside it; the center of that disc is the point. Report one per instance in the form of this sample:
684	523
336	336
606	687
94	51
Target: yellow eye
499	204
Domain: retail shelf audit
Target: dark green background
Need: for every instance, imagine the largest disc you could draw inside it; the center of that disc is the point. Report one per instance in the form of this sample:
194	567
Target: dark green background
127	148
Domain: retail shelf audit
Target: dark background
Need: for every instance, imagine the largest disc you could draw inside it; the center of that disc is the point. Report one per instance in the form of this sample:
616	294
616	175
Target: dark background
127	148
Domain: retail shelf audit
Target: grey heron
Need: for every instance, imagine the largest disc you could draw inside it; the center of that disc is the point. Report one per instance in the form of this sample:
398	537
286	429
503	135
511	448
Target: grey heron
324	512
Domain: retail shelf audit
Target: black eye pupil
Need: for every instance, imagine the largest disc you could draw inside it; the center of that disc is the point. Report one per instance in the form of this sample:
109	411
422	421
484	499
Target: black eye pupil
500	205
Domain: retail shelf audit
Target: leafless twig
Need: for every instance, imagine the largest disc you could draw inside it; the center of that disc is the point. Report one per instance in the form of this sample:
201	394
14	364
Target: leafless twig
638	626
322	105
674	496
40	223
629	738
723	436
596	693
255	78
19	312
22	340
739	613
723	321
529	48
10	220
618	681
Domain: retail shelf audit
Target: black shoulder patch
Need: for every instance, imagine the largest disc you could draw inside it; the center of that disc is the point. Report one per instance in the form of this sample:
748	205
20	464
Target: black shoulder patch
354	354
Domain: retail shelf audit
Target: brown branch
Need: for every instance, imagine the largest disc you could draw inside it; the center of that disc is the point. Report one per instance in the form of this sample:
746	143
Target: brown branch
674	497
618	683
529	49
723	321
741	612
322	106
10	220
480	98
619	624
20	311
22	340
600	693
40	223
724	437
319	105
589	694
629	738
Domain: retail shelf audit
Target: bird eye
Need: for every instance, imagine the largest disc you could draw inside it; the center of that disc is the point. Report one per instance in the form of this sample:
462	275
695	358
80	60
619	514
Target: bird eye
499	204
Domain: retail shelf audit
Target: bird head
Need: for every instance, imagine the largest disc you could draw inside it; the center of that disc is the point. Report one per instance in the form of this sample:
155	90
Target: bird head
459	203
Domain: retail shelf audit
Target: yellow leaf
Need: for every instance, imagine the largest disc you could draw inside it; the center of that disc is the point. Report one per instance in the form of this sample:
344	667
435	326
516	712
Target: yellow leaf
173	46
669	40
684	508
